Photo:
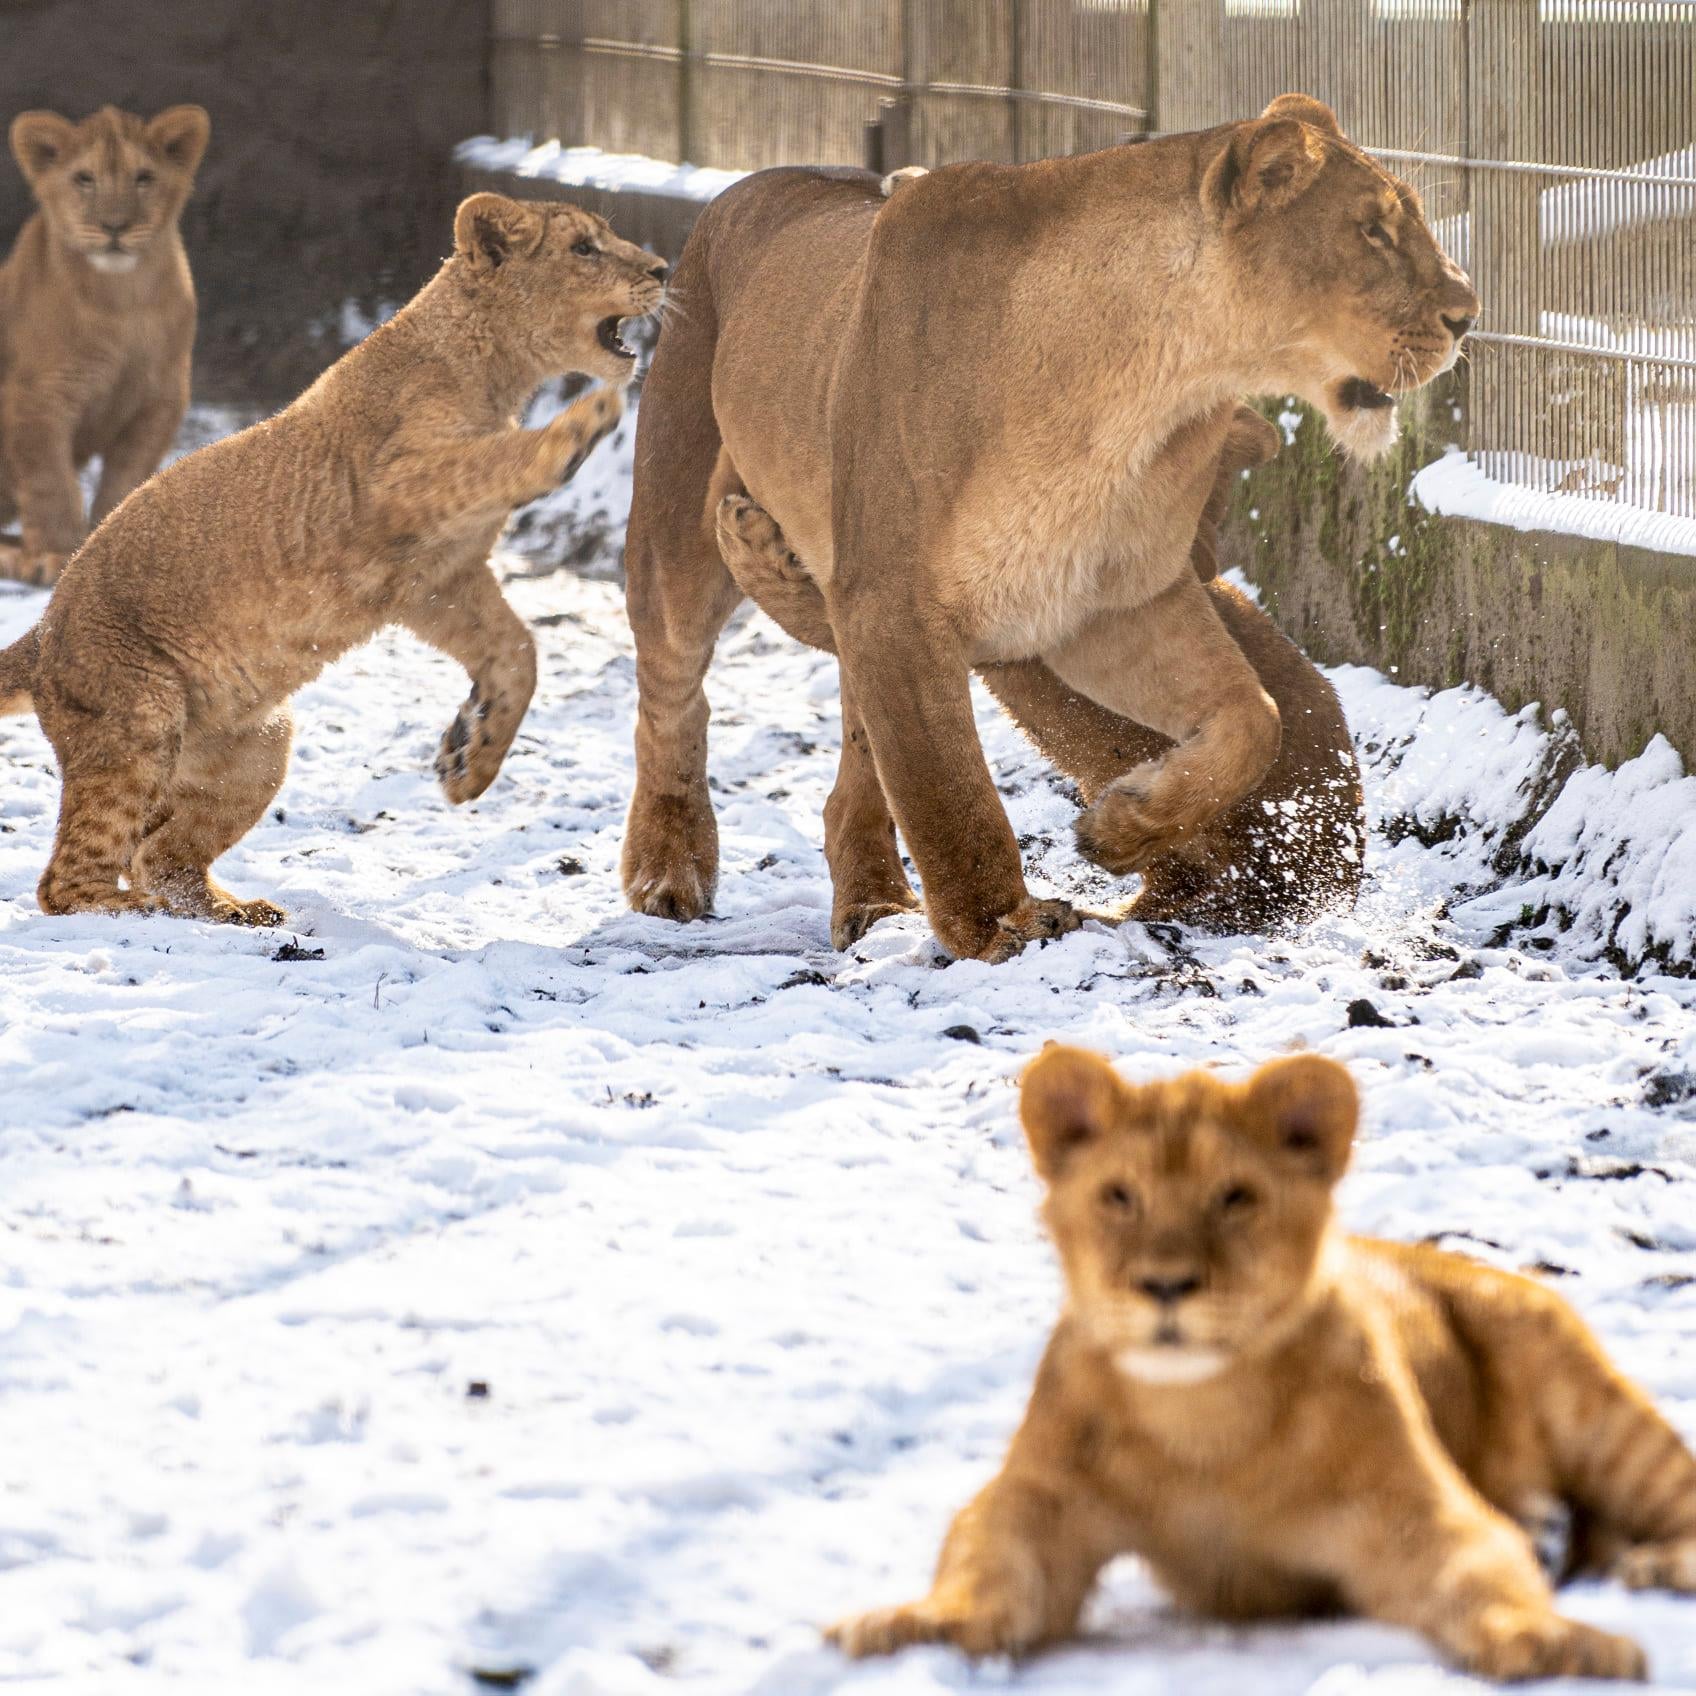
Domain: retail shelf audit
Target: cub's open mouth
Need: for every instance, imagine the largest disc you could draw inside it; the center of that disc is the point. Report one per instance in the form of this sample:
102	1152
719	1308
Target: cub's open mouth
1361	396
606	333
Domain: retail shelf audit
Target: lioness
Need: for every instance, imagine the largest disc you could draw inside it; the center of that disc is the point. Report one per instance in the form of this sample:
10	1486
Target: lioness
985	412
162	667
1282	1419
96	320
1294	847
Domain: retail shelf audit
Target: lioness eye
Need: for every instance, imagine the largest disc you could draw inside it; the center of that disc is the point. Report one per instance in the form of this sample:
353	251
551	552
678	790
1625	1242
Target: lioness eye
83	179
143	178
1117	1197
1237	1199
584	247
1377	234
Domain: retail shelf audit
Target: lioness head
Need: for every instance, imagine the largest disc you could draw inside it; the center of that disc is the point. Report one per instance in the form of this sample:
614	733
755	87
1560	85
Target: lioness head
558	280
1363	303
109	185
1191	1215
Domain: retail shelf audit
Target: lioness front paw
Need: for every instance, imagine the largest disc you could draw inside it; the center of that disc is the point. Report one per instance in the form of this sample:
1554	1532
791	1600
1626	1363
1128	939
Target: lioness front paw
1032	920
670	860
850	921
1513	1645
37	566
468	759
1120	832
993	1630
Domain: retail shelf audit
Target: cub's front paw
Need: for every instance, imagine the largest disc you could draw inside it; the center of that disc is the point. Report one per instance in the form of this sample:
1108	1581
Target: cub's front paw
1031	921
1659	1566
468	759
574	434
1513	1644
989	1630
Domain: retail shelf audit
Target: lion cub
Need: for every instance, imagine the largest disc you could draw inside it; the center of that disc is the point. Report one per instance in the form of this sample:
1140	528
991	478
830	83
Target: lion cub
96	320
162	667
1282	1419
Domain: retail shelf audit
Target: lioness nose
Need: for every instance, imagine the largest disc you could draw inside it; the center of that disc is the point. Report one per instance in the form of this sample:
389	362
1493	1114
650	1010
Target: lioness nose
1170	1290
1459	326
116	228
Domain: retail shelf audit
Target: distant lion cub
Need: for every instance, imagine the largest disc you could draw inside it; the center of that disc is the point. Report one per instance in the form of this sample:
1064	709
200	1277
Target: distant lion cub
1282	1419
162	667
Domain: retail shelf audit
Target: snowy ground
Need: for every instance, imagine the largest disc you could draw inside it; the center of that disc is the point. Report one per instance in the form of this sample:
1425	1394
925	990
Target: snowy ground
477	1278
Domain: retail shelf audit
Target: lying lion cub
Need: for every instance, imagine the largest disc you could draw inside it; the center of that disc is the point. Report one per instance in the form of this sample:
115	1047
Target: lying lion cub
162	668
1282	1419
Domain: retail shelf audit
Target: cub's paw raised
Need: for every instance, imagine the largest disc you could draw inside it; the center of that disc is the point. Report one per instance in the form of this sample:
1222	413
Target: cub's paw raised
575	432
1032	920
469	759
1513	1644
1659	1566
976	1631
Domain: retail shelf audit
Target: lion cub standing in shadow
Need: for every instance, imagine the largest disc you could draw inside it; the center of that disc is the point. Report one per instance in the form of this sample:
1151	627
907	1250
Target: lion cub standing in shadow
1281	1419
162	667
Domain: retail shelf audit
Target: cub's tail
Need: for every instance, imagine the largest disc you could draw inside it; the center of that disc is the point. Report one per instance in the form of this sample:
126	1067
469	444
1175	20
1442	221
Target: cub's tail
17	673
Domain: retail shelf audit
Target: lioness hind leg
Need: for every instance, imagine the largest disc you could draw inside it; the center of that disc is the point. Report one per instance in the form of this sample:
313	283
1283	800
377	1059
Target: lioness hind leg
221	787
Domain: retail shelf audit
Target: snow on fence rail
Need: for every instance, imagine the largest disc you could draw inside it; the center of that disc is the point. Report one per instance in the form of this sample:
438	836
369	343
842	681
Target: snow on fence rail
1554	141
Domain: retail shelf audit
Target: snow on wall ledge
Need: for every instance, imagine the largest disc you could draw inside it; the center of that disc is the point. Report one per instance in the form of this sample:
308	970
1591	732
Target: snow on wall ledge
1455	488
589	167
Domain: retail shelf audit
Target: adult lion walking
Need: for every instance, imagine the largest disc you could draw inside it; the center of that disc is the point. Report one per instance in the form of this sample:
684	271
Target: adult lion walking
985	414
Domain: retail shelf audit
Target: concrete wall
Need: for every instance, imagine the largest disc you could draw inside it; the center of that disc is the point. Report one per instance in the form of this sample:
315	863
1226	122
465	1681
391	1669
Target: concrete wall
328	176
1606	632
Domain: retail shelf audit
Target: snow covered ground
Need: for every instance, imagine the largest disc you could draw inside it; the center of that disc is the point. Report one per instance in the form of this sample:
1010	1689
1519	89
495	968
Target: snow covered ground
476	1278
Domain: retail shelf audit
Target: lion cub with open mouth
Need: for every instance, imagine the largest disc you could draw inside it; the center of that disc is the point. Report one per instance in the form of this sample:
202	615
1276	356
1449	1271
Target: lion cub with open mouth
1281	1419
162	667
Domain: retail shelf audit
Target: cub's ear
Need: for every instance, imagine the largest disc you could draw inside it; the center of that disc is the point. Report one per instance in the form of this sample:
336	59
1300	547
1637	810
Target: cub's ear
1266	165
489	229
1305	1108
179	135
1305	110
1067	1097
39	141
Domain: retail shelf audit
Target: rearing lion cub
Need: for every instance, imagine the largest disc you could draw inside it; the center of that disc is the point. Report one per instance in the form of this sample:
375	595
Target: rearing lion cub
1282	1419
162	667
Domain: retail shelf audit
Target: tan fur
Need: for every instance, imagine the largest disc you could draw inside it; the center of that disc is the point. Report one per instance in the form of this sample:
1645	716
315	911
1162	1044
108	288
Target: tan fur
1281	1419
96	320
162	667
1292	848
986	411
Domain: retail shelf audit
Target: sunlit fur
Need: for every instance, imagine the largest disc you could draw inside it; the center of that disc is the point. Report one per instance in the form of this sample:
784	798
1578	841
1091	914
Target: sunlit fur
1281	1419
97	320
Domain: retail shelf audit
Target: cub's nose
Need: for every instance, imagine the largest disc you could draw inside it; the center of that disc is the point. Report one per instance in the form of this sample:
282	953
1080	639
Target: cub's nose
1169	1291
1458	327
659	271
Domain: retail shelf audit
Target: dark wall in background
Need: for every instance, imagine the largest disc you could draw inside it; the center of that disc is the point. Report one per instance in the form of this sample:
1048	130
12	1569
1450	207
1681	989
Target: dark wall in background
328	176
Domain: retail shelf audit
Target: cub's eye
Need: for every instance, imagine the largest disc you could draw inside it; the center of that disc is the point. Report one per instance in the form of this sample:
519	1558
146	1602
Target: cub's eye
1238	1199
1116	1198
83	179
143	178
583	248
1377	234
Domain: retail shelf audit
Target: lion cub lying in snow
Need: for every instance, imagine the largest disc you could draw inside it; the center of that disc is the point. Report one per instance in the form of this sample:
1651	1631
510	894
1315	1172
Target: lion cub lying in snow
1282	1419
162	667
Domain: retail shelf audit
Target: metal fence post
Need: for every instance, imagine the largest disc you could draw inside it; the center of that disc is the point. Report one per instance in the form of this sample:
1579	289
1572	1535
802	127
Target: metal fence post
686	89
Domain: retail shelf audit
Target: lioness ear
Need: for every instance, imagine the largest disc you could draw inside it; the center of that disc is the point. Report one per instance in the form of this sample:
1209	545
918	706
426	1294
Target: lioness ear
489	229
39	140
1306	1108
1267	164
1305	110
180	134
1067	1097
